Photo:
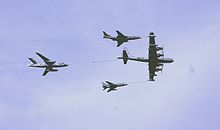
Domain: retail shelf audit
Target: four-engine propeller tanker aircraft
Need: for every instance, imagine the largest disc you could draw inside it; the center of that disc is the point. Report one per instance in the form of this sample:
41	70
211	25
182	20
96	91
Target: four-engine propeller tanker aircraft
112	86
155	60
49	65
121	38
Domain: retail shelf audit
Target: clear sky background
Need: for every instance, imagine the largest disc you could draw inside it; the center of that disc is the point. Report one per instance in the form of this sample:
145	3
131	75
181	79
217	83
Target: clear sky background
186	96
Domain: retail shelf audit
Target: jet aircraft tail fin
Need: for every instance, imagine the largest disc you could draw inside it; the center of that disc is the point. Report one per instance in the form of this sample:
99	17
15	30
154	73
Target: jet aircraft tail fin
125	57
106	35
104	86
32	60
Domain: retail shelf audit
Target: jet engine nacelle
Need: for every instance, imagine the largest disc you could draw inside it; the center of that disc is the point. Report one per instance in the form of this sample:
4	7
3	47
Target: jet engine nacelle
159	48
50	62
54	70
159	65
159	55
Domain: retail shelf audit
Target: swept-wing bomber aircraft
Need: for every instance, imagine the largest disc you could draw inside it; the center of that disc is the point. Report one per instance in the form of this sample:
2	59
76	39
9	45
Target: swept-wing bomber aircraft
48	64
112	86
121	38
155	60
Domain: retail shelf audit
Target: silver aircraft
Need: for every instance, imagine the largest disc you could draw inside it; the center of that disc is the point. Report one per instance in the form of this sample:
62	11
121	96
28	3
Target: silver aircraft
155	59
48	64
121	38
112	86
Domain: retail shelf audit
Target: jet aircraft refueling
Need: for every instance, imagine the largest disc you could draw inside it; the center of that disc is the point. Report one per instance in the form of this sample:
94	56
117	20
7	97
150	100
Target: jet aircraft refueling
112	86
121	38
155	60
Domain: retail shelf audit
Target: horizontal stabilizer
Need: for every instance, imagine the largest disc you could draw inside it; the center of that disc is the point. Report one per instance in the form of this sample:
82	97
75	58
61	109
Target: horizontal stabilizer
106	35
104	86
32	60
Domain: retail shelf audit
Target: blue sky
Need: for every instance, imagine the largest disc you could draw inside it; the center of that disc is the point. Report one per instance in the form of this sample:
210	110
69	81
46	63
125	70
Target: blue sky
185	96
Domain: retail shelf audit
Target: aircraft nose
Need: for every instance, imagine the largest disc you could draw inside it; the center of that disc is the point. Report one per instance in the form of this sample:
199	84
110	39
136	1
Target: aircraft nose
171	60
151	33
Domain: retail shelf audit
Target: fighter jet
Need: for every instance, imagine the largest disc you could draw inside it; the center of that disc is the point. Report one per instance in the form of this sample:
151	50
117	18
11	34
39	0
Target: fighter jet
112	86
155	59
49	65
121	38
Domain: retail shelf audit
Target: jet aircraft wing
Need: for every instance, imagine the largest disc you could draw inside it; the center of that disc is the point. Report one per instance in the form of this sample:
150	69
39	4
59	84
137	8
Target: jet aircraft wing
120	34
111	89
119	43
42	57
110	83
46	71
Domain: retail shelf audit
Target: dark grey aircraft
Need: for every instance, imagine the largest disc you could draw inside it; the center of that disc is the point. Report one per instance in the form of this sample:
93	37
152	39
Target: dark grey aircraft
48	65
155	60
112	86
121	38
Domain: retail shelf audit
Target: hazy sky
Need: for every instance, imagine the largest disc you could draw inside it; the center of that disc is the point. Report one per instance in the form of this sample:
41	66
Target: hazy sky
185	97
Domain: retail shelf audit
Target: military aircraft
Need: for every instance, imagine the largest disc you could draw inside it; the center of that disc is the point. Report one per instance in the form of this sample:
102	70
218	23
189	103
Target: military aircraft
121	38
112	86
49	65
155	60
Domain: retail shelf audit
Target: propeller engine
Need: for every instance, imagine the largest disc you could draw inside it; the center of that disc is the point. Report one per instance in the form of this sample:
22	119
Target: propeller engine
159	69
158	65
159	48
159	55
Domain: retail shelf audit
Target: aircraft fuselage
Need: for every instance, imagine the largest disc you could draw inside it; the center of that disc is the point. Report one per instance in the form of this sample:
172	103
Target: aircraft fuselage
48	66
125	39
114	86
